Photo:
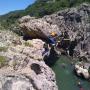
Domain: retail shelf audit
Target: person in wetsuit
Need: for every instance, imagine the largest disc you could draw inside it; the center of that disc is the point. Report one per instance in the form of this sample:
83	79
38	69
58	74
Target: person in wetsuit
52	38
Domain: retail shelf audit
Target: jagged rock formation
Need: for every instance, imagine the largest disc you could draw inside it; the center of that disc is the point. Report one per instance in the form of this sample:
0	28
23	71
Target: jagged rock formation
23	67
37	28
74	21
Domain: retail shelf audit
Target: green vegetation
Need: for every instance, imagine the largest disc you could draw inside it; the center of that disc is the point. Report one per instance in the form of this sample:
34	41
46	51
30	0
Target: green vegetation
38	9
2	61
29	44
8	20
4	49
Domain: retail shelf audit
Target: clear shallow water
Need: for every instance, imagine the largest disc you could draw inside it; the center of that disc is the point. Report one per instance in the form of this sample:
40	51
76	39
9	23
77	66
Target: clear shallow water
65	77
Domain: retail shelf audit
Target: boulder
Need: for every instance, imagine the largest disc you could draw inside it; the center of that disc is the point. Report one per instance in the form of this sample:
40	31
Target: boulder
82	71
37	28
28	78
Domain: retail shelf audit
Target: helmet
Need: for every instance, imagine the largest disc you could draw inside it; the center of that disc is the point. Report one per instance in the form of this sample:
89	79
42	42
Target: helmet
53	33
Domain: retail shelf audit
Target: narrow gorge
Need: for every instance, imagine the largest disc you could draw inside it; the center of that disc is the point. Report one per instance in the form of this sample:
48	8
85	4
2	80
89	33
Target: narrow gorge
27	64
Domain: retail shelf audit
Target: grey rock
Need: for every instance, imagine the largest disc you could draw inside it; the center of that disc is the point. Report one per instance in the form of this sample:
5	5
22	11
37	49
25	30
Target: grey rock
37	28
75	21
82	70
25	69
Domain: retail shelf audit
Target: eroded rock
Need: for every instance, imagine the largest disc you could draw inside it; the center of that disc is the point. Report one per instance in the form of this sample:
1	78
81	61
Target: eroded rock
82	70
37	28
25	69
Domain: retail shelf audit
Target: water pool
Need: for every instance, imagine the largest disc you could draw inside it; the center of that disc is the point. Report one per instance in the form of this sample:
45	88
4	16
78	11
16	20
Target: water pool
66	78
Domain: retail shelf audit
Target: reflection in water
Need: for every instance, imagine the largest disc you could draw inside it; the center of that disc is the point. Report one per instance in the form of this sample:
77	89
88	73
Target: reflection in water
67	72
53	57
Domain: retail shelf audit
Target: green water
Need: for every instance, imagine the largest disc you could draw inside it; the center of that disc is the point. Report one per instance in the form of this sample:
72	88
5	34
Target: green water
65	77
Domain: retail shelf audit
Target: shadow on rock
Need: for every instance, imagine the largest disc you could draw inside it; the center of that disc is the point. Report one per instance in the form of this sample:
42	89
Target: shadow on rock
53	57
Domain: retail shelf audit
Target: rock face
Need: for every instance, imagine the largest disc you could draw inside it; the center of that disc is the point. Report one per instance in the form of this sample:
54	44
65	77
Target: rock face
74	21
37	28
25	68
8	38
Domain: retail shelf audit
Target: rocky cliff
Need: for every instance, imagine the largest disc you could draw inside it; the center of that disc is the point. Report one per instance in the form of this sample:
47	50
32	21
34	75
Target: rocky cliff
37	28
73	21
22	66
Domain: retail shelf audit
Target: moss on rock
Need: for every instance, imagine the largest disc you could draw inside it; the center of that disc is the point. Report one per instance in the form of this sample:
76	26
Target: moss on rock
2	61
4	49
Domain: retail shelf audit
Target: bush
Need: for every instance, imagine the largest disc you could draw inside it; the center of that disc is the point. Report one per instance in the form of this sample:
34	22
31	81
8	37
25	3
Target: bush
2	61
28	44
4	49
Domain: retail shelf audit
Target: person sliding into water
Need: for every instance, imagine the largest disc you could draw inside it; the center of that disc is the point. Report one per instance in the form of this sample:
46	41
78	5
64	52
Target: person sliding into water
46	47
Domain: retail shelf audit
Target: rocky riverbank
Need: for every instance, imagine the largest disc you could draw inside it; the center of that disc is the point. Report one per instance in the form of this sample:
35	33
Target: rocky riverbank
82	69
22	66
21	62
